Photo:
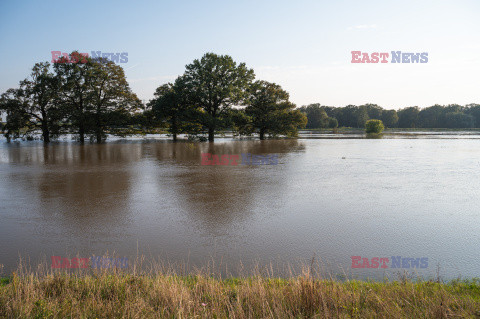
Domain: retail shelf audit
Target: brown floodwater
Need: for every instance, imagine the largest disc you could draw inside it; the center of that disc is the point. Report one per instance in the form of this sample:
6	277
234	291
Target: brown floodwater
328	198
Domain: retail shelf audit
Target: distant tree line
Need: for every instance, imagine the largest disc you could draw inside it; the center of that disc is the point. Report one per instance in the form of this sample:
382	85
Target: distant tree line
91	98
436	116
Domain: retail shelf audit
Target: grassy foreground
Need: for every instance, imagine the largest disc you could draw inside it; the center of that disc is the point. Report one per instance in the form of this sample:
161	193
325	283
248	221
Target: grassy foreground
115	294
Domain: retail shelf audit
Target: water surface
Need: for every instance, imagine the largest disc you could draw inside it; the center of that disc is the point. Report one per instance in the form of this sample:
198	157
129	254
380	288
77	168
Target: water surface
328	198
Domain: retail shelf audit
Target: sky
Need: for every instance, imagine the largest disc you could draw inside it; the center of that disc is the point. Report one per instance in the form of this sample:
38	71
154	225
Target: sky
305	46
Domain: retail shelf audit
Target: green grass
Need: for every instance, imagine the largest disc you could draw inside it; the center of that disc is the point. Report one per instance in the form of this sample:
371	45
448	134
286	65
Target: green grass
5	281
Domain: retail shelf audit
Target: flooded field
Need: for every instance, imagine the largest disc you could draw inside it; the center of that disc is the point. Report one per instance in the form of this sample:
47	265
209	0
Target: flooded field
330	196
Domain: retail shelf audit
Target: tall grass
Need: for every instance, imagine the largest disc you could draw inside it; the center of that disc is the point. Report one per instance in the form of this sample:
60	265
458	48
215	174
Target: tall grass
165	292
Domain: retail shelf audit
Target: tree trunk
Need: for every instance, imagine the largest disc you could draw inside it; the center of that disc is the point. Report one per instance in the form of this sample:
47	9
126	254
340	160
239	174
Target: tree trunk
262	134
98	126
45	133
81	132
211	134
174	128
45	130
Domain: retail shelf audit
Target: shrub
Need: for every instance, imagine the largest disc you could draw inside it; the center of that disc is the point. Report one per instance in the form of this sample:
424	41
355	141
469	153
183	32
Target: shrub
374	126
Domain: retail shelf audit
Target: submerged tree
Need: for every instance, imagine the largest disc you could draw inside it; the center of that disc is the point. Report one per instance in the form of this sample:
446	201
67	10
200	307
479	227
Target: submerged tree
40	102
17	119
95	93
111	96
75	93
33	106
271	111
171	104
240	122
215	83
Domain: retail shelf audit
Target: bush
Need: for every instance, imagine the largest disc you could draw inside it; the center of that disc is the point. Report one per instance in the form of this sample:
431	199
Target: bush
374	126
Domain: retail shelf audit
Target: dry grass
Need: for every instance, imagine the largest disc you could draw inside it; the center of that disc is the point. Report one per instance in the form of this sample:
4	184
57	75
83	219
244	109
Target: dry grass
163	293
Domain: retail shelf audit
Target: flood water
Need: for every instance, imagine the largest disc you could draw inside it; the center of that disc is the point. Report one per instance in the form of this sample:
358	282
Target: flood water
328	198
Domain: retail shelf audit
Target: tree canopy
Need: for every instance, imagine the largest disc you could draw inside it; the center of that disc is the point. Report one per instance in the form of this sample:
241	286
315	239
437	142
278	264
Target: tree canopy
271	112
215	83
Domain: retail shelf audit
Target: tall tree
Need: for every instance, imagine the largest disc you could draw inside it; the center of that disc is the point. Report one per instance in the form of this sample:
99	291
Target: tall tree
459	120
17	118
389	118
39	100
374	111
111	95
75	91
96	94
171	104
431	117
316	115
474	111
271	111
215	83
347	116
33	106
362	115
408	117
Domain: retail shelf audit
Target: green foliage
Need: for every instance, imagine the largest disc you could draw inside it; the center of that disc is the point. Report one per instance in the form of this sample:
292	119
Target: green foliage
111	97
436	116
374	126
390	118
458	119
171	106
94	95
408	117
317	117
373	111
241	123
332	122
33	106
5	281
362	115
215	83
271	112
17	117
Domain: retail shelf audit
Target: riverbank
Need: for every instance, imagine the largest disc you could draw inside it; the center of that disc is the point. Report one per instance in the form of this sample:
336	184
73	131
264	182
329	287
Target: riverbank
111	294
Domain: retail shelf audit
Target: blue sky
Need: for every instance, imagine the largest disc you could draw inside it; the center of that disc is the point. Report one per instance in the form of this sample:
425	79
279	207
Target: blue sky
305	46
